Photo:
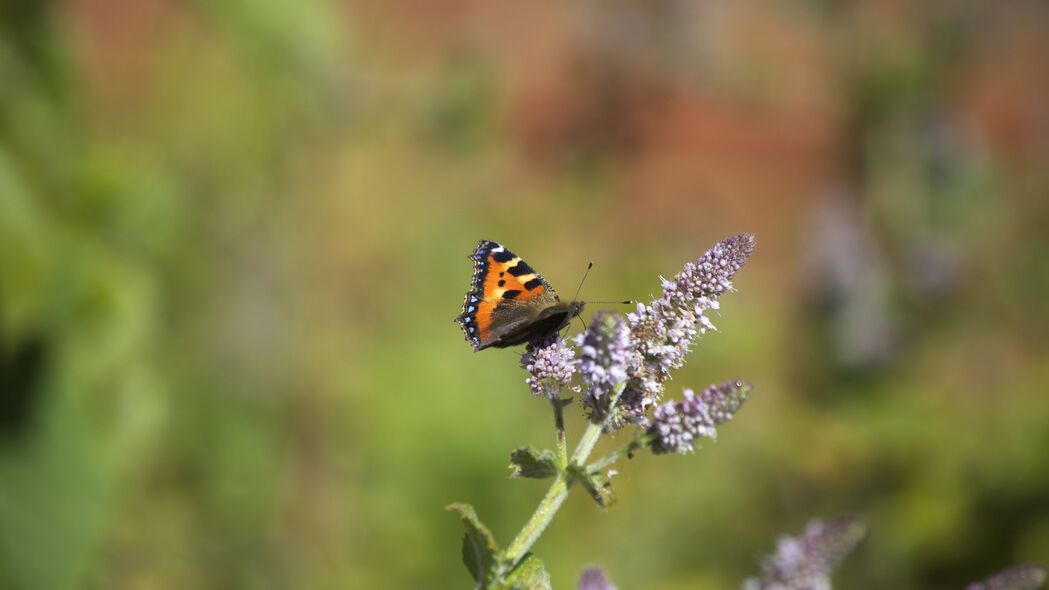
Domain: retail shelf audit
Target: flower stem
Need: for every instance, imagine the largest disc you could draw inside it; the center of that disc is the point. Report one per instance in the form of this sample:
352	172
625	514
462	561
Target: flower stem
535	526
634	445
559	424
593	431
555	496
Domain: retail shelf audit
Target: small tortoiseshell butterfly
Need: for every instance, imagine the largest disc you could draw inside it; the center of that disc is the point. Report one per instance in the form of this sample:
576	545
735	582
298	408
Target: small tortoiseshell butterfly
508	302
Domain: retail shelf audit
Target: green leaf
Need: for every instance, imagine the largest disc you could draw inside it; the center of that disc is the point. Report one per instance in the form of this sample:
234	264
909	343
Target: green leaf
598	485
530	574
527	462
480	552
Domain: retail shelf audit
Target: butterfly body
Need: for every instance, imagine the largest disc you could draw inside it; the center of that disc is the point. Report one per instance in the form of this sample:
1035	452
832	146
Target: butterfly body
508	302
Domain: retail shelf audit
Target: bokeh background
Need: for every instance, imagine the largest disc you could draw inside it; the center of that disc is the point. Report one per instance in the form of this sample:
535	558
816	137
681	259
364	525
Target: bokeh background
233	238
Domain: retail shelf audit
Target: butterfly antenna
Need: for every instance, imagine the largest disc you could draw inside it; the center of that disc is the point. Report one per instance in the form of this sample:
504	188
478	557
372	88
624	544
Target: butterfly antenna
575	297
589	265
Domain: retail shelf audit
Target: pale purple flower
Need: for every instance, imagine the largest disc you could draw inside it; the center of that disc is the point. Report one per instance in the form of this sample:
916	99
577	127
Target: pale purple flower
1020	577
550	365
594	579
677	424
606	359
806	562
664	330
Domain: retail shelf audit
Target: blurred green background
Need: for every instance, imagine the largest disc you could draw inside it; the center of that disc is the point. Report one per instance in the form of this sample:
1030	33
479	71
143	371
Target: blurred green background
233	238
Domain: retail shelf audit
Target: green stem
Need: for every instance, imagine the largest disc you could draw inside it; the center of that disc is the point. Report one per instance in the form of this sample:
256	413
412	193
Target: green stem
535	526
634	445
559	424
555	496
588	441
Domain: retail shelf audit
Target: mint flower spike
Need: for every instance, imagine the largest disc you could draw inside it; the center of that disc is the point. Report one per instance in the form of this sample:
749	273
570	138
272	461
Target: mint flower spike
1020	577
663	331
676	424
550	365
806	562
607	358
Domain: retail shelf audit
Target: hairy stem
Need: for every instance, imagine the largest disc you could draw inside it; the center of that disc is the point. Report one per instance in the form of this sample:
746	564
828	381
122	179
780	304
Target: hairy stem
542	516
555	496
593	431
559	424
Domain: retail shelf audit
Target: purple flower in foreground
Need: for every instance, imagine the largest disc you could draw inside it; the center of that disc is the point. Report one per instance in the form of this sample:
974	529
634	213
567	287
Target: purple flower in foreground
663	331
550	365
806	562
606	359
676	424
1020	577
594	579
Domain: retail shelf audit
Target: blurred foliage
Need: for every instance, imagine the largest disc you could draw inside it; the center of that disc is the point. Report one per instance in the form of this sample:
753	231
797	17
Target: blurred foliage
232	240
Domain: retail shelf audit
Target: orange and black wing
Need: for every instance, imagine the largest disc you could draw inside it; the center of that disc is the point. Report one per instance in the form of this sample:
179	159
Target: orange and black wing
505	294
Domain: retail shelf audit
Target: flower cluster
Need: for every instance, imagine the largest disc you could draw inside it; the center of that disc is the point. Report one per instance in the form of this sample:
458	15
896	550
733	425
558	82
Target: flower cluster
663	331
606	359
676	424
1020	577
550	365
806	562
624	363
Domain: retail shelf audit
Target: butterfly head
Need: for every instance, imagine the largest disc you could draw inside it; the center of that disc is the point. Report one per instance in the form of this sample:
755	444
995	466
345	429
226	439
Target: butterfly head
575	308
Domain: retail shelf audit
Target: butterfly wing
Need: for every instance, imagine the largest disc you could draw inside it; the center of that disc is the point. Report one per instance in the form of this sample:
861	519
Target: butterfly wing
525	324
505	297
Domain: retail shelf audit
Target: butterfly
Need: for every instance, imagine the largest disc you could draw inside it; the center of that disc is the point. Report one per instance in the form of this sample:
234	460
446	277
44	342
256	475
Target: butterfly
508	302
